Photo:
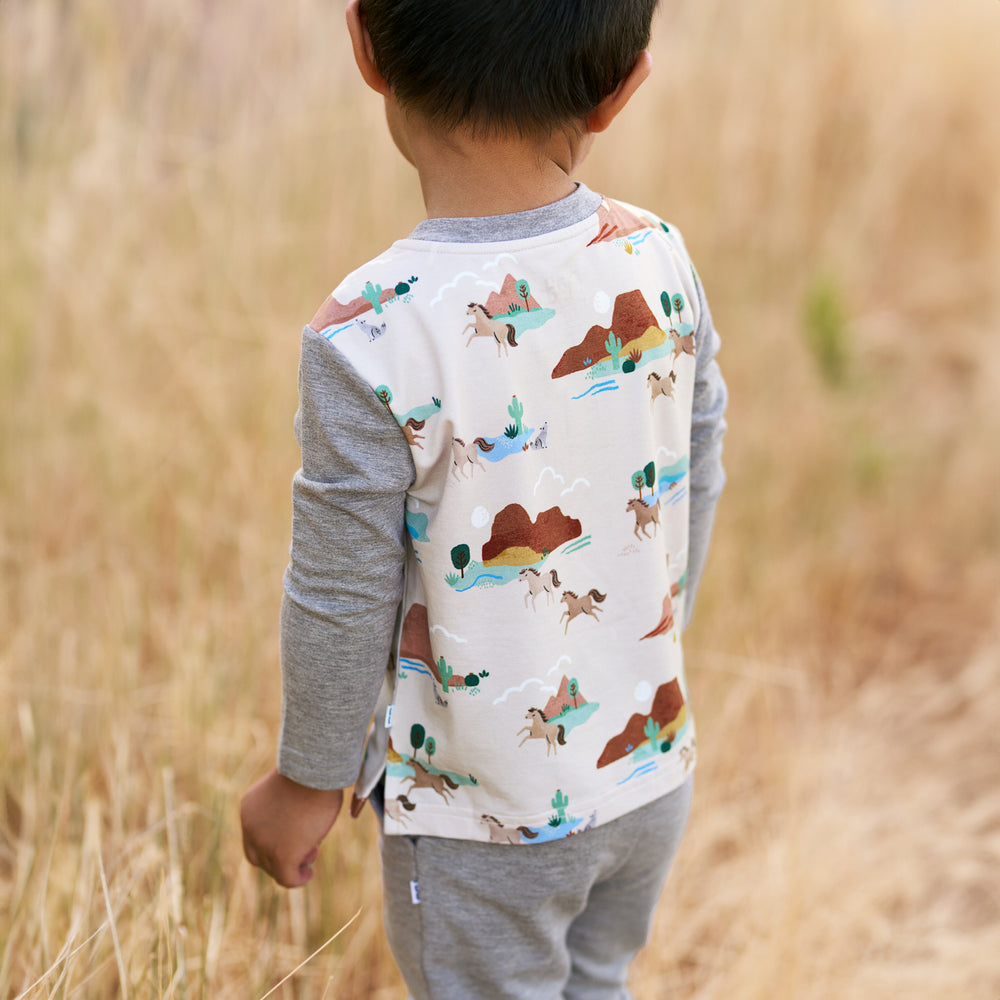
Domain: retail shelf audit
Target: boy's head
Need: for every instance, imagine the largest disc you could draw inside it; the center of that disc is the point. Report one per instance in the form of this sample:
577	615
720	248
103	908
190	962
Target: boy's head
505	67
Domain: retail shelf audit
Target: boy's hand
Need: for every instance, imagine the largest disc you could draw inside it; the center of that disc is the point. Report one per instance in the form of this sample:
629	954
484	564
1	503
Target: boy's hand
283	824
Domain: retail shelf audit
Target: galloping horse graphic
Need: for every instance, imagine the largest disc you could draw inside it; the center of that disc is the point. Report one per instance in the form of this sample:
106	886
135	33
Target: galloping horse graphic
485	325
537	582
500	834
644	514
463	454
576	605
541	729
443	784
682	345
660	386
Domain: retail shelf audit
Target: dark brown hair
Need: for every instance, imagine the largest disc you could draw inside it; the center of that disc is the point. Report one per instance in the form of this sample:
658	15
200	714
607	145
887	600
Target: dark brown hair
527	66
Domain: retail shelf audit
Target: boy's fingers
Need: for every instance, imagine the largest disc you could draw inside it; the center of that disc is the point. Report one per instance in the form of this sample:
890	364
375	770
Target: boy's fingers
303	872
249	851
289	874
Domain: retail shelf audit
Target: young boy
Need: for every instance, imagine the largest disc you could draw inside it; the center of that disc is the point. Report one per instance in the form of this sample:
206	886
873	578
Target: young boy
511	426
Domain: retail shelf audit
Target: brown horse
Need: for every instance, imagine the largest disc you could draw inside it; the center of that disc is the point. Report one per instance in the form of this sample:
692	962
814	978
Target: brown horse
644	514
659	386
422	778
410	429
485	325
576	605
541	729
682	345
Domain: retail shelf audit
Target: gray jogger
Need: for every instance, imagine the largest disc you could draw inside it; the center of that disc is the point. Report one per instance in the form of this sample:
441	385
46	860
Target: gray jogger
555	921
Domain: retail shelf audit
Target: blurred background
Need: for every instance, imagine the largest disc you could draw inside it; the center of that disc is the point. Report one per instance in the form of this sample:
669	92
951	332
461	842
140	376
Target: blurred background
182	183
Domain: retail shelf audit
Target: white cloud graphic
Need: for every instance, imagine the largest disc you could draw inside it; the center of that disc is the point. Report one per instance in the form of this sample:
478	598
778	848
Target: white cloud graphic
496	261
557	664
451	284
555	475
451	635
576	482
543	687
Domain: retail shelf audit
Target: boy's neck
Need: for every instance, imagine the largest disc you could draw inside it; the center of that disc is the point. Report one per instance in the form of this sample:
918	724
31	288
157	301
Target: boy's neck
464	176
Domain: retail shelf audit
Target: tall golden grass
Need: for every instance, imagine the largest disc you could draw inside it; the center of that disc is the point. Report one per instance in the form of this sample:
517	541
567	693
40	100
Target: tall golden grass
182	183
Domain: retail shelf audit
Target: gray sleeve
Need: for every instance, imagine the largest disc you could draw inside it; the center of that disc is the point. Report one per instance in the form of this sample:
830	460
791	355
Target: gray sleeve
344	579
708	426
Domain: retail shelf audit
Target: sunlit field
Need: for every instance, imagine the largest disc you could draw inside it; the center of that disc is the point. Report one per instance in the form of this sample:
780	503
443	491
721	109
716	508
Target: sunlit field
182	183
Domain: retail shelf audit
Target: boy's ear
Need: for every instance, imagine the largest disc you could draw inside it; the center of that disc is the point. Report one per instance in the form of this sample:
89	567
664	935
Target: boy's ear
364	54
606	112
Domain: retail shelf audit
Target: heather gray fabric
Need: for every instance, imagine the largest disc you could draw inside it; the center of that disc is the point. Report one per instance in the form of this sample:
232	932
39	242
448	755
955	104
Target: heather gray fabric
344	579
708	427
517	226
559	921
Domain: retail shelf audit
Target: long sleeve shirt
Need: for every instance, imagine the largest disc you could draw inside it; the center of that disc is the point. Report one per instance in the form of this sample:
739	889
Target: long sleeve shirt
511	433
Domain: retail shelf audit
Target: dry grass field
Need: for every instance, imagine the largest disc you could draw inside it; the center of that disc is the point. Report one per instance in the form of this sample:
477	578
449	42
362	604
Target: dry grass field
182	183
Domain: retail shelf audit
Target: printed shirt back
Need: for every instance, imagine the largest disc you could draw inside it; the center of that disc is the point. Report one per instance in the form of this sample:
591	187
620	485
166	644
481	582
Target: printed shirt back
544	387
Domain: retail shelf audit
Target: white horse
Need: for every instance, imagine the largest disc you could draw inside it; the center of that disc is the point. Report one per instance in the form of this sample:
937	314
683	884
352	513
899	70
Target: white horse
485	325
537	582
500	834
463	454
394	809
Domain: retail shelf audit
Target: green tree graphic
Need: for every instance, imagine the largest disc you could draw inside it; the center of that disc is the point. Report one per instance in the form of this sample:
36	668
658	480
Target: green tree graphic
460	556
573	690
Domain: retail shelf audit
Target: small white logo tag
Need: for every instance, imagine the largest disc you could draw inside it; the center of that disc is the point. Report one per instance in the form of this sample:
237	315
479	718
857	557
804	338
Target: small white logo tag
388	717
415	893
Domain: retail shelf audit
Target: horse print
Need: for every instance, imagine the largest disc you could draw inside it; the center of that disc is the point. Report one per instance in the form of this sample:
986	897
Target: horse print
484	325
644	514
541	729
576	605
410	429
394	809
422	778
463	454
660	386
537	582
500	834
682	345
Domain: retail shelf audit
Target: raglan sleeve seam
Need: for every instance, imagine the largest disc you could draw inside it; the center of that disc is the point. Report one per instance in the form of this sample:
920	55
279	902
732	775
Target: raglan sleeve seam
708	428
343	583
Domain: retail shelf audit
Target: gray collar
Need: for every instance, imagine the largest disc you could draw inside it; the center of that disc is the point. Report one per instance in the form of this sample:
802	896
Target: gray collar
574	208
